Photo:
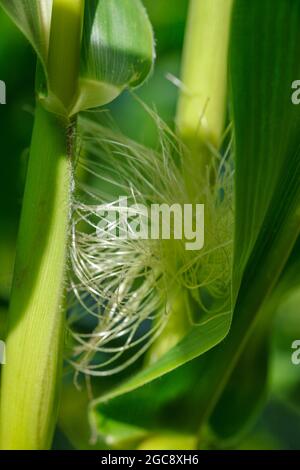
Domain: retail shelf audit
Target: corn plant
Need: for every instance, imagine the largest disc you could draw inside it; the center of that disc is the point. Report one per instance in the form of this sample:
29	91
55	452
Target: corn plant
176	339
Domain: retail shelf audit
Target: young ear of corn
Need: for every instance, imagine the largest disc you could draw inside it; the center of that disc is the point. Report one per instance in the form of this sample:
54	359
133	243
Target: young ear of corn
200	119
263	51
184	338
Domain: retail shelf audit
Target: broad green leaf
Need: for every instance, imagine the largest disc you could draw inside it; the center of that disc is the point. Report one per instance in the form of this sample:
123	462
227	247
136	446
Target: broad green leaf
117	50
264	62
246	390
33	18
266	125
170	403
263	67
110	413
285	378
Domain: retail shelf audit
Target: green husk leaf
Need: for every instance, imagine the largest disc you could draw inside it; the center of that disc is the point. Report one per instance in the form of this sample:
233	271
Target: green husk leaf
247	388
264	60
246	391
171	403
150	382
263	66
165	405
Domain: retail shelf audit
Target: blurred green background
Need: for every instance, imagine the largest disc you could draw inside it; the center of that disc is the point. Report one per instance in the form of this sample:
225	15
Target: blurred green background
278	425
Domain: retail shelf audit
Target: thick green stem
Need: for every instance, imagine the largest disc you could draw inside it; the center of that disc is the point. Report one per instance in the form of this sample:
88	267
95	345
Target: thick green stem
28	395
64	48
200	119
176	328
36	317
202	104
201	108
250	310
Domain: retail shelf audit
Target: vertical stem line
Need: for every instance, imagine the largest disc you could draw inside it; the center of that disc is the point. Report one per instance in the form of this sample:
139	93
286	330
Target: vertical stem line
36	317
202	104
63	60
201	110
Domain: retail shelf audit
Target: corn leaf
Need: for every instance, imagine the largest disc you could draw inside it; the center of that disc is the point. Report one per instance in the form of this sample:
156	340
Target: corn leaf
33	18
246	390
245	393
116	415
264	62
166	405
263	66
